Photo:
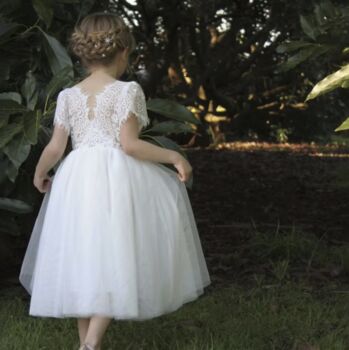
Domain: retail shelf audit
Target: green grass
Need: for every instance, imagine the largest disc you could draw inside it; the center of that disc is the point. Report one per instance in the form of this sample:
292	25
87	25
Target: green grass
286	316
290	292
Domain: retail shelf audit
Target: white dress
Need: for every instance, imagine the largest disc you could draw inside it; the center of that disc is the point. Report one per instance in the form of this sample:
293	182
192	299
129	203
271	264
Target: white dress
115	235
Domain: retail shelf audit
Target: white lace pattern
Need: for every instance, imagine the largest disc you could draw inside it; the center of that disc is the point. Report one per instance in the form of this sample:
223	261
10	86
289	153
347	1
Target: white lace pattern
97	119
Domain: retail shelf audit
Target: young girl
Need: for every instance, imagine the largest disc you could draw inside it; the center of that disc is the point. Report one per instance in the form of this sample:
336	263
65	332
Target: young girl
115	237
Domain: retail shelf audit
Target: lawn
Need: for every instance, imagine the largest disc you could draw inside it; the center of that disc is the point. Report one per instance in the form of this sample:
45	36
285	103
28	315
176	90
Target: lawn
269	316
290	292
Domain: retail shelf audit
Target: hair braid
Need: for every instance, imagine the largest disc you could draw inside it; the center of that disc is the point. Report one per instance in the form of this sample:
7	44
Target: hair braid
99	37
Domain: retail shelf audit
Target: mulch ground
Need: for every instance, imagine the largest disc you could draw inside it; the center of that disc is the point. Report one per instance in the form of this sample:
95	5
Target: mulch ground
237	186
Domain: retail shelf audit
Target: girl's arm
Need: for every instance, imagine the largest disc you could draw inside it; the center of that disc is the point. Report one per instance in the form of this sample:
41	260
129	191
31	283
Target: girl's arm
51	154
144	150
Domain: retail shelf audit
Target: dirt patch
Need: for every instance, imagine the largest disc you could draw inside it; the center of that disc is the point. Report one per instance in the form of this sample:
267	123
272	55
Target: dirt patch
238	185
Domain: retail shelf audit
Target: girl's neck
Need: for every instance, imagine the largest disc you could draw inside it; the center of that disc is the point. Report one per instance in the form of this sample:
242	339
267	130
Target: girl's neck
104	73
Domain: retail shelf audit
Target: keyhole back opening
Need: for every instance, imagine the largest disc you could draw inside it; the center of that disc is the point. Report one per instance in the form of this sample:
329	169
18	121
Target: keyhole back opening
91	106
91	99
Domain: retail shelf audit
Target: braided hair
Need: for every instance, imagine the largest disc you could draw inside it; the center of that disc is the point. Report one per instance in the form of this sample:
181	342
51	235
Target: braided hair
99	37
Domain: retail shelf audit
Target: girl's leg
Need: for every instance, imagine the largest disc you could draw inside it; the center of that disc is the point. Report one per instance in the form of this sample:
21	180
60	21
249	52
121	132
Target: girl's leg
97	327
83	324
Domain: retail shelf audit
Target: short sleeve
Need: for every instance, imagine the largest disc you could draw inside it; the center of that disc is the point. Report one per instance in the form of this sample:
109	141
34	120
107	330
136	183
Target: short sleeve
61	116
135	103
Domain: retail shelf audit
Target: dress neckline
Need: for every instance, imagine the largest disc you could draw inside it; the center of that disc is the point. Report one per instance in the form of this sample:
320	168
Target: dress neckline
104	89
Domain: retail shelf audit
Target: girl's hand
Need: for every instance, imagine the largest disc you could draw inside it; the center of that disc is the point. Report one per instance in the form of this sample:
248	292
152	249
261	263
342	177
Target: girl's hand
184	168
42	183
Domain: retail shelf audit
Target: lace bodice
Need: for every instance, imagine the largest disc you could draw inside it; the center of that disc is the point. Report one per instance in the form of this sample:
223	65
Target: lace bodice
96	119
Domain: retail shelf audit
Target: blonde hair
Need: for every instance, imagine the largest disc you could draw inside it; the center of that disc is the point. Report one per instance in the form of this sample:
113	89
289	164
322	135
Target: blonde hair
99	37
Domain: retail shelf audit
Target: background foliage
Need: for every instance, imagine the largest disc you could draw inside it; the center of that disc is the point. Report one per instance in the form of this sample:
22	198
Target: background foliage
241	68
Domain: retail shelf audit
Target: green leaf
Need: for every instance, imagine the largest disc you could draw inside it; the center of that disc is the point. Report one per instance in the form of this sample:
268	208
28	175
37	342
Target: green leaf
31	125
165	142
15	205
8	132
343	126
8	107
308	27
13	96
59	80
56	54
17	150
323	12
29	90
3	120
171	127
44	10
329	83
309	52
345	84
6	31
293	46
4	162
12	172
171	109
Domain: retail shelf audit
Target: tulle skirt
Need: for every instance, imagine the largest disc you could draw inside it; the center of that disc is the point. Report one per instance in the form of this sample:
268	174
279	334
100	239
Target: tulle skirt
115	236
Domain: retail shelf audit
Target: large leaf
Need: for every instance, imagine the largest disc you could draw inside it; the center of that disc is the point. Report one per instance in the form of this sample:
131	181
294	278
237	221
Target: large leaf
309	27
171	109
59	80
4	119
12	172
29	90
293	46
171	127
31	125
6	31
17	150
165	142
324	11
343	126
57	55
4	162
329	83
8	132
15	205
302	55
44	10
8	107
11	95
